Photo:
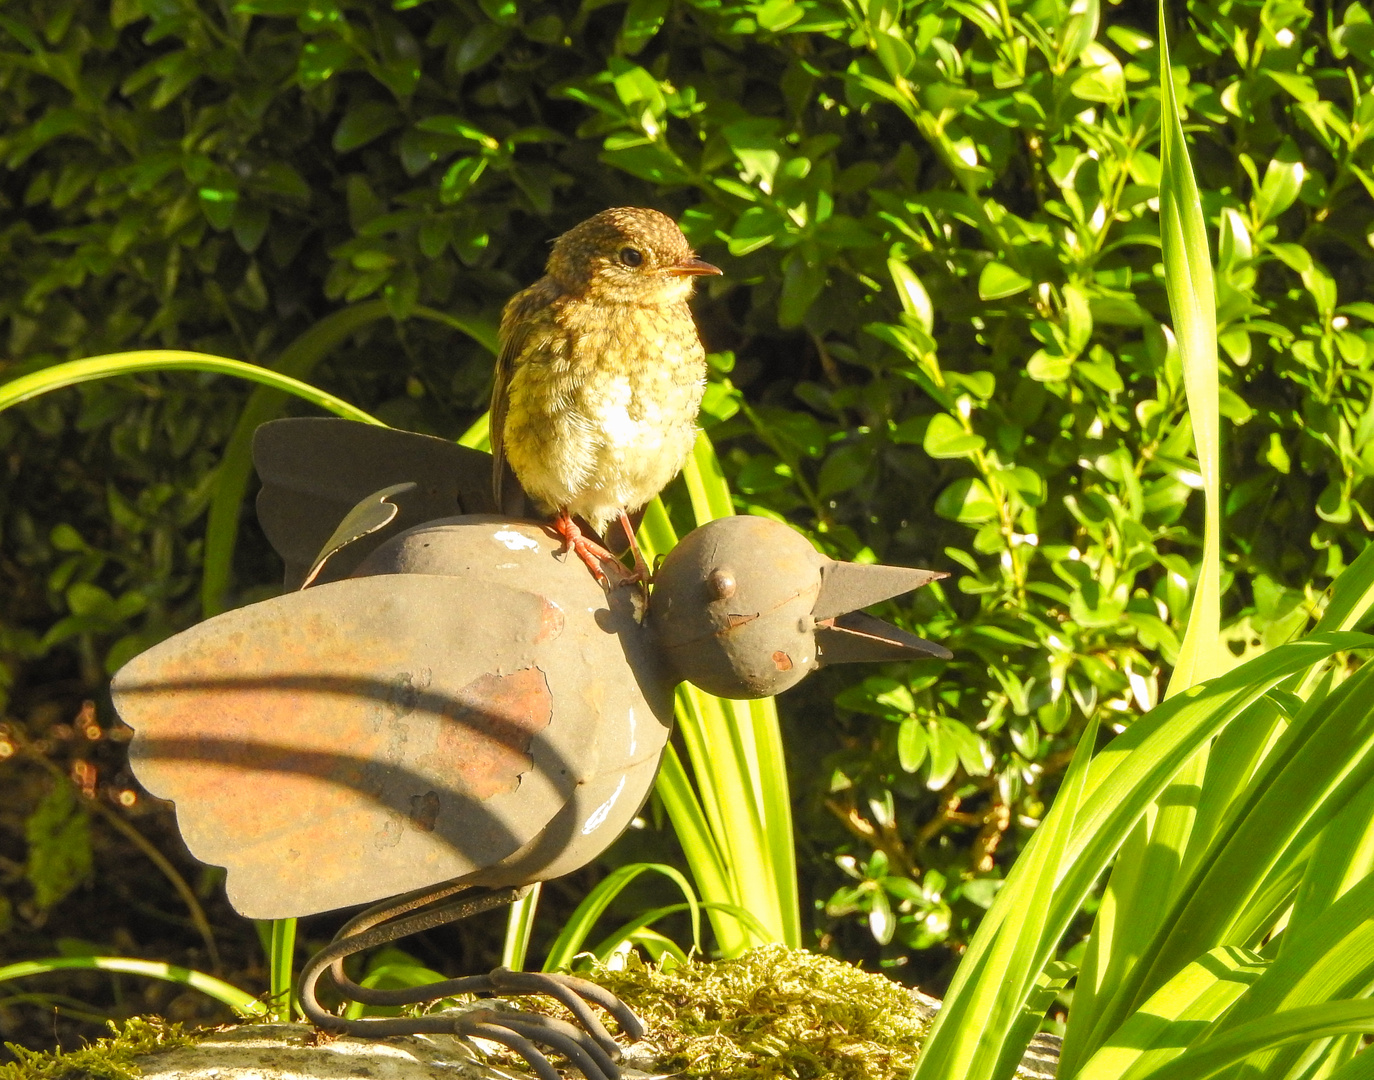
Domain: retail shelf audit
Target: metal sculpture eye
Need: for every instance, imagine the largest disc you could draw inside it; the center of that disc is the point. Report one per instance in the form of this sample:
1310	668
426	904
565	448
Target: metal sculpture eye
631	256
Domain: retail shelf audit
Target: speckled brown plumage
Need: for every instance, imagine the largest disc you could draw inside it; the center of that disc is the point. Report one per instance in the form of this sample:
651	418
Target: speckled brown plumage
601	371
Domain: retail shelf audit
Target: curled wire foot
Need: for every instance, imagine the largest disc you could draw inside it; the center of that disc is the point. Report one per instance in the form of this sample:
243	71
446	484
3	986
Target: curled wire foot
525	1032
587	1045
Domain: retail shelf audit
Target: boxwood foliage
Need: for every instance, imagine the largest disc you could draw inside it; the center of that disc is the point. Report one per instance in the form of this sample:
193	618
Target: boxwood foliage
941	338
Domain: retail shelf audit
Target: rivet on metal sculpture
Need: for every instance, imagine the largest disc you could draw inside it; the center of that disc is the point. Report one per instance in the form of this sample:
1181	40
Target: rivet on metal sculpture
452	712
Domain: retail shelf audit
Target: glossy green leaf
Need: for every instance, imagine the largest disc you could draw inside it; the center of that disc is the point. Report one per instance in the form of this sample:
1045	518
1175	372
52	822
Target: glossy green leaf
998	281
945	438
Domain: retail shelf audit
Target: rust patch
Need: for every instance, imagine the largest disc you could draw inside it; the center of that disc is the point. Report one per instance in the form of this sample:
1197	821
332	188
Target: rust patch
551	621
486	732
424	811
782	661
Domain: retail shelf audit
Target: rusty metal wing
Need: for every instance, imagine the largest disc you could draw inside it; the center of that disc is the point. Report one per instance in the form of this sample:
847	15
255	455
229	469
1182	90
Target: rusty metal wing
314	470
358	739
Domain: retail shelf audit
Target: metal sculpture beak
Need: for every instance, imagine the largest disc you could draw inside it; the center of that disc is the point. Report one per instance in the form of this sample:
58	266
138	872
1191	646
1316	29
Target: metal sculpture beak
845	634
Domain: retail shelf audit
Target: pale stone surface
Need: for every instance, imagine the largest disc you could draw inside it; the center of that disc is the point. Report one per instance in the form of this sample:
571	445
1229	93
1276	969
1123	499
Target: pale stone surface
296	1052
293	1052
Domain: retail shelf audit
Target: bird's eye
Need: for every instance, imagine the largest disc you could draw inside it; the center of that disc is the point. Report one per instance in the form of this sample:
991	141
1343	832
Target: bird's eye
631	256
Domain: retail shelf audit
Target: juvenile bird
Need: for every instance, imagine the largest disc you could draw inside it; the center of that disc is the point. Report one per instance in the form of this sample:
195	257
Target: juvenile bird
600	377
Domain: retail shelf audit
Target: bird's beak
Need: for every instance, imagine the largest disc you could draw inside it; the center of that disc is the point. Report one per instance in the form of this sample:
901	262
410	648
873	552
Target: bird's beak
693	267
846	635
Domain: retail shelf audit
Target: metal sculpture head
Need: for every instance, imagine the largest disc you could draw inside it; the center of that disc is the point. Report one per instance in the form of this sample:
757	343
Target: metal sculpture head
745	607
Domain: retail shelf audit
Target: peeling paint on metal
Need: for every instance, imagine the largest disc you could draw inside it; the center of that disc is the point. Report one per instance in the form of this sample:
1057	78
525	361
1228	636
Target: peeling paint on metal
602	812
515	541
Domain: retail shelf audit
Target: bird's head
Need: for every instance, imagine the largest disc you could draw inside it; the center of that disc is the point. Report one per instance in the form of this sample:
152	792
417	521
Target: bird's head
745	607
627	255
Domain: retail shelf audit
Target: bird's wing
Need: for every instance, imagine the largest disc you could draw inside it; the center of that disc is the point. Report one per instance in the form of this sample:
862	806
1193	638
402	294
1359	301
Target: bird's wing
332	747
515	326
315	470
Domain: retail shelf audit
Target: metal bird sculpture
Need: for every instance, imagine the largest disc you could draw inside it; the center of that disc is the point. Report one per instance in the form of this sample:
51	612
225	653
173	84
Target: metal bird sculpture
465	713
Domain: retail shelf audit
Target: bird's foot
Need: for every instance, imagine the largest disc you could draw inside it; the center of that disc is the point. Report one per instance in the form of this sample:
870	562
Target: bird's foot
593	555
589	1047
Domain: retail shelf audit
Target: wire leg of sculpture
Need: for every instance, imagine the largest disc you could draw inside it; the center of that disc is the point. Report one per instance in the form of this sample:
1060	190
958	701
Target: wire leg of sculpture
590	1049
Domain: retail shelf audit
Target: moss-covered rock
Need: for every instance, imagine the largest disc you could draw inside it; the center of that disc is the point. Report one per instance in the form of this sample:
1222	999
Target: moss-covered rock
772	1014
105	1059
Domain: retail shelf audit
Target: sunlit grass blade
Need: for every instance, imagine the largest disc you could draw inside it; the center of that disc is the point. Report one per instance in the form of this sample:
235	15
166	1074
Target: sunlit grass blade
221	991
1330	957
60	376
1343	860
1125	778
721	740
612	942
1359	1060
393	969
779	838
1352	595
1177	1015
1300	1025
1284	816
715	883
654	944
968	1037
706	485
1192	302
519	926
1352	600
737	757
1145	876
478	434
573	937
281	967
1048	985
1236	756
1249	874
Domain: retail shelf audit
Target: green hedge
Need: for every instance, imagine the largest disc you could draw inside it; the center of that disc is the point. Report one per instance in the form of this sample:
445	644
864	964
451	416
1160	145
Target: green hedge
940	339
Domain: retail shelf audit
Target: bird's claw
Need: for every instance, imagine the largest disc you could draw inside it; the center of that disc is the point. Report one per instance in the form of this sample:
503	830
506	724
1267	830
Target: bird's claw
595	557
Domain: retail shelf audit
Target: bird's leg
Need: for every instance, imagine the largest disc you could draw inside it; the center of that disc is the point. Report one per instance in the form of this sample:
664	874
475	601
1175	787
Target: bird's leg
589	551
590	1047
641	570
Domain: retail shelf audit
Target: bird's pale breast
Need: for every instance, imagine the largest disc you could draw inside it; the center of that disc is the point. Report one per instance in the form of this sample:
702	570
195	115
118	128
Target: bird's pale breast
603	406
